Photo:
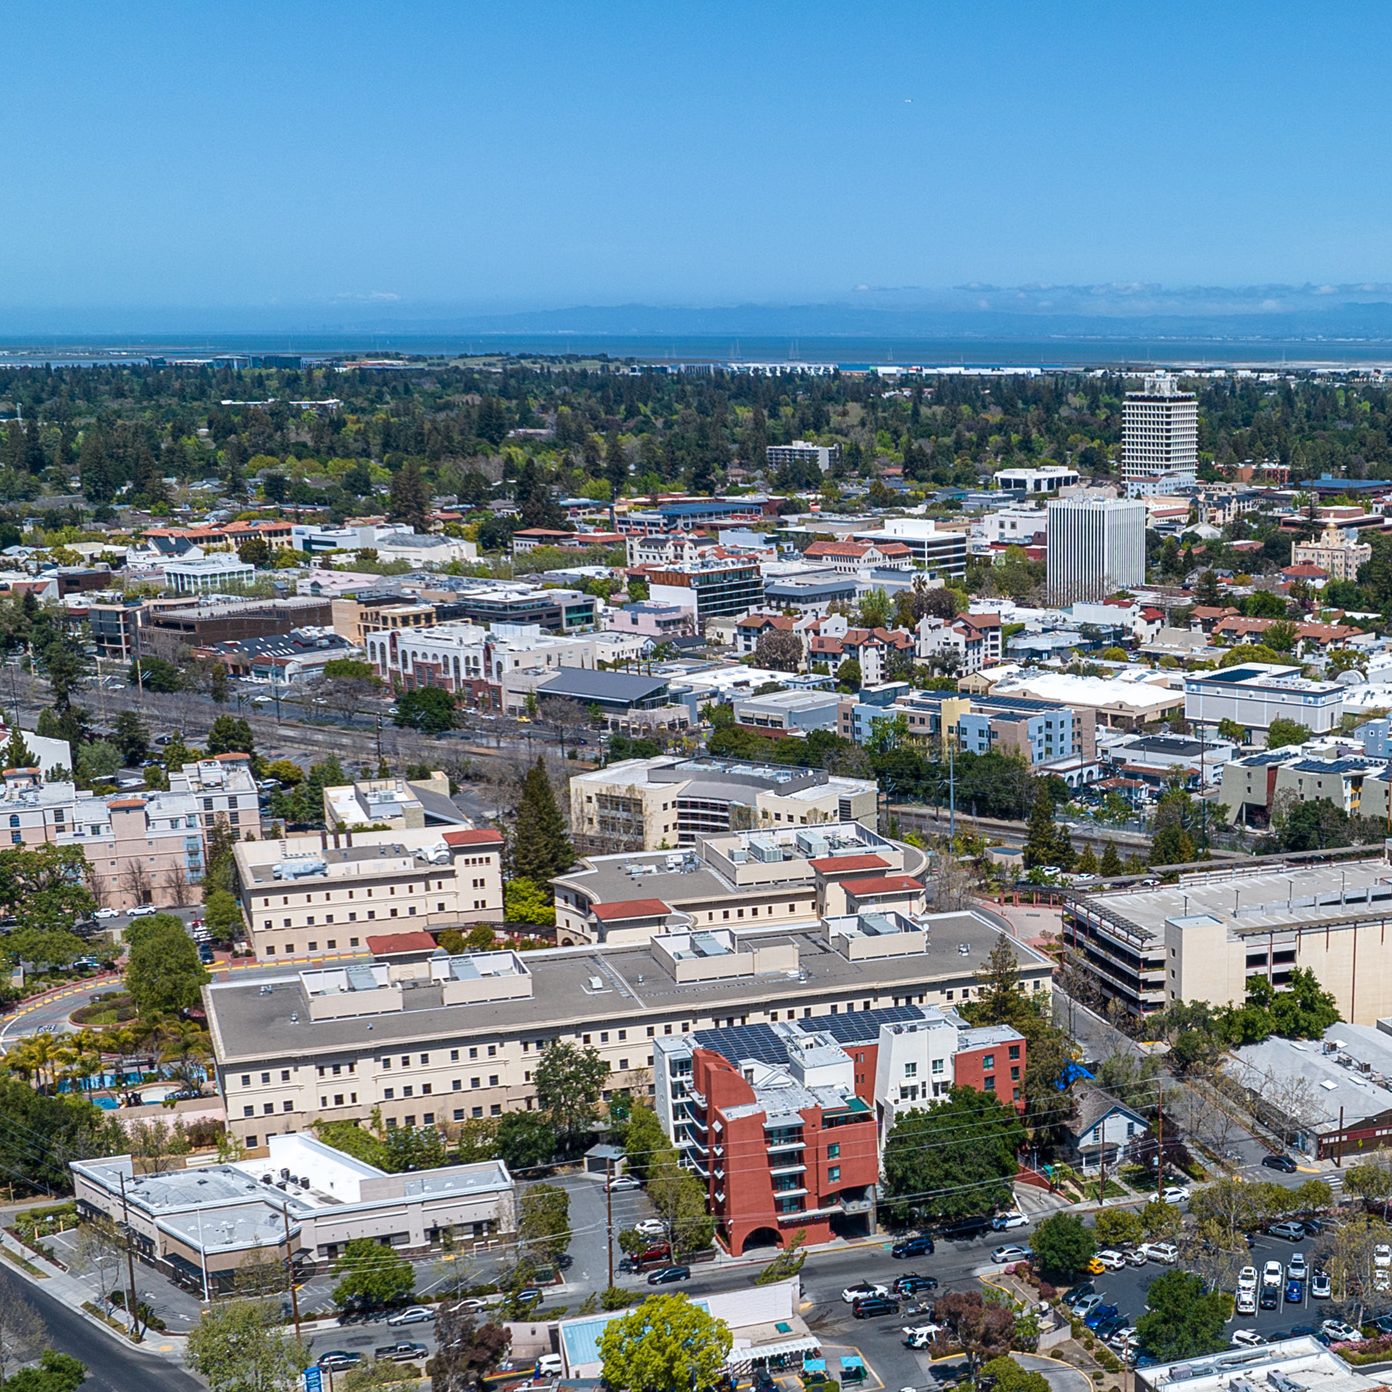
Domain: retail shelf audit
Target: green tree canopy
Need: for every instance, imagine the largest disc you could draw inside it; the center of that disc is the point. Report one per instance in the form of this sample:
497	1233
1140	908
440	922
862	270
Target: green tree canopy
666	1343
569	1081
371	1274
240	1346
1182	1318
163	974
429	709
525	1140
541	848
1062	1246
1282	732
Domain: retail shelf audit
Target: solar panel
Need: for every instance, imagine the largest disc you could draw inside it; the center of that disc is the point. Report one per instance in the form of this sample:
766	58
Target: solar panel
859	1025
738	1042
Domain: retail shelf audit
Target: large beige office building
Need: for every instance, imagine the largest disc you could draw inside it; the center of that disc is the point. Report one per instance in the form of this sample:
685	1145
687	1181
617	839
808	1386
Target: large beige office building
441	1040
310	895
1204	938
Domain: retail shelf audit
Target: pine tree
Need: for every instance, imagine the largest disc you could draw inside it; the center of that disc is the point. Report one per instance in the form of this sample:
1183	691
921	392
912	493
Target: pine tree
541	847
17	753
1087	861
410	499
1110	863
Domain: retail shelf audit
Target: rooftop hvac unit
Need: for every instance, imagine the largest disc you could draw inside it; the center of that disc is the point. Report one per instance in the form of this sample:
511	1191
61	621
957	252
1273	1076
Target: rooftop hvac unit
596	983
284	1173
267	1179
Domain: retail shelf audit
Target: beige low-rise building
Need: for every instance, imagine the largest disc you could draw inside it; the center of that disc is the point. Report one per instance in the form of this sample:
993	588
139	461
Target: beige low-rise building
1204	938
1339	558
393	804
771	878
442	1040
655	804
310	895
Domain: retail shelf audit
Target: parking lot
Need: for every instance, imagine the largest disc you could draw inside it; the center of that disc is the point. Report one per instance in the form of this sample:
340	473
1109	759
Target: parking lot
1126	1289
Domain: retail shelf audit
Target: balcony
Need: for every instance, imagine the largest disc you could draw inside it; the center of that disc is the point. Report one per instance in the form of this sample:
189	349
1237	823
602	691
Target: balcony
796	1167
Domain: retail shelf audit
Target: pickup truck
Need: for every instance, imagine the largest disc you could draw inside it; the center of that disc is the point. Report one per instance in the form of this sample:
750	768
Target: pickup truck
403	1352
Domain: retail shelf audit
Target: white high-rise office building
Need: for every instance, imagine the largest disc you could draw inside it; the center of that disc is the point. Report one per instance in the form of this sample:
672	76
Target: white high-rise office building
1159	438
1096	546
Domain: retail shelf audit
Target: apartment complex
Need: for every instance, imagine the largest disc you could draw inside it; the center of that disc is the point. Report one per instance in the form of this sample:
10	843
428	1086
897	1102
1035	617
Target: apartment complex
301	1200
825	457
710	588
1256	693
140	849
1159	438
1338	557
940	555
772	878
224	791
1252	784
306	895
651	804
782	1121
1203	938
1096	546
436	1041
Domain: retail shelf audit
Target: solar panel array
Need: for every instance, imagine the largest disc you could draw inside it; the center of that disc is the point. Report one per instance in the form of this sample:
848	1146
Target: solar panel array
859	1025
737	1042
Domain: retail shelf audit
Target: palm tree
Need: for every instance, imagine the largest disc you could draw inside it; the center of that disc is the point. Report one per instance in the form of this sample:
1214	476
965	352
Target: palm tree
188	1047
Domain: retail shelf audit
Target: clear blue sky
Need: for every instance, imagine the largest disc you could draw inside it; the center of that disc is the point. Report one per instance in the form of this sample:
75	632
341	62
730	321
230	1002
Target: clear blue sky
522	155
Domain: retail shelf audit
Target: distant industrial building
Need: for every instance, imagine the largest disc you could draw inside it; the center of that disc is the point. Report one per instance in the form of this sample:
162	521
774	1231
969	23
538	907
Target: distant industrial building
1253	694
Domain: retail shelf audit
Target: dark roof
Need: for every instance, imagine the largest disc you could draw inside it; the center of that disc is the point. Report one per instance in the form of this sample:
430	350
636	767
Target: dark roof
738	1042
601	686
859	1026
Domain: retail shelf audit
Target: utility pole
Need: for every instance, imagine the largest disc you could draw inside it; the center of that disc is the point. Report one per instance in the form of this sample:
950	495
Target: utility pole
609	1215
1160	1143
951	789
290	1273
131	1301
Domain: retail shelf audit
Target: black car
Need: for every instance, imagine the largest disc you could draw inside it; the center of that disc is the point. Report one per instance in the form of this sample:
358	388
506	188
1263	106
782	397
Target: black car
913	1283
1279	1162
963	1229
665	1275
869	1306
1074	1293
1270	1298
921	1246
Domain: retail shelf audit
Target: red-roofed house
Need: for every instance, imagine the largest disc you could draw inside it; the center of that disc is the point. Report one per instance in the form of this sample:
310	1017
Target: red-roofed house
847	557
641	915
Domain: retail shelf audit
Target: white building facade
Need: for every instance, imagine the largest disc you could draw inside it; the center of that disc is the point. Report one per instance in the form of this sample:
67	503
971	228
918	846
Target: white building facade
1159	438
1096	546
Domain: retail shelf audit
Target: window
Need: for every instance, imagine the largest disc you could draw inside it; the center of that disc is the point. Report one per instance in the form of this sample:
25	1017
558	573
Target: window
988	1083
939	1065
389	1093
834	1174
834	1150
492	1080
911	1070
1014	1051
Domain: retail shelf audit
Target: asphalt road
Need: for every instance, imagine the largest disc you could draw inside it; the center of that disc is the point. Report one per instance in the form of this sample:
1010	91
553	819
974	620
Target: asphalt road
111	1367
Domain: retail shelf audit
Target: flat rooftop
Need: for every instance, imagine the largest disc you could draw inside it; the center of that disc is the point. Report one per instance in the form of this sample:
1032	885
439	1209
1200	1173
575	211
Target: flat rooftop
1252	901
575	985
1287	1365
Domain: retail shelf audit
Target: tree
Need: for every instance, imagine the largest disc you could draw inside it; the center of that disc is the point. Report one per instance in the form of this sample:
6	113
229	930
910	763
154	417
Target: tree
1281	637
541	848
666	1343
644	1139
984	1331
1161	1221
17	753
409	498
229	734
163	975
543	1222
240	1346
222	915
1046	843
379	1377
65	666
156	674
131	736
1118	1227
1062	1246
1229	729
21	1331
569	1081
779	650
372	1275
525	901
525	1140
1370	1180
464	1349
1182	1319
954	1158
99	1248
1006	1375
848	675
429	709
1282	732
1110	864
679	1199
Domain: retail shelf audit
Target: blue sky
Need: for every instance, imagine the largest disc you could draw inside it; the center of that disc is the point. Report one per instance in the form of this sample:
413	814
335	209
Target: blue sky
411	155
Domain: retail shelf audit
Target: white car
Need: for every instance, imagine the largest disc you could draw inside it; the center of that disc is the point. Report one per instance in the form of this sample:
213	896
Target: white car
1246	1302
1273	1274
1111	1259
1122	1337
141	911
624	1181
863	1291
1164	1252
1010	1254
650	1227
1176	1193
1337	1332
107	913
412	1314
1246	1338
917	1336
1012	1218
1296	1269
1247	1278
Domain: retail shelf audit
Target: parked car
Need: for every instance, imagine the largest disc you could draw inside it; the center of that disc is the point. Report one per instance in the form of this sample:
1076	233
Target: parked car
1296	1269
412	1314
529	1295
1247	1278
964	1229
666	1275
1270	1298
338	1358
1010	1253
1321	1288
1011	1218
1164	1252
1075	1293
1246	1303
401	1353
1085	1305
873	1306
549	1365
1111	1259
913	1284
1273	1273
650	1227
918	1336
1279	1162
1338	1332
920	1246
623	1181
1175	1193
107	913
864	1291
1120	1338
1295	1292
144	911
1135	1257
1094	1267
1292	1232
1100	1315
1246	1338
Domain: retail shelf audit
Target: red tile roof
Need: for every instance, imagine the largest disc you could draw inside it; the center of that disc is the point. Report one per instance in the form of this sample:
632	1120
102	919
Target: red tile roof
125	804
385	944
480	836
828	865
883	884
622	909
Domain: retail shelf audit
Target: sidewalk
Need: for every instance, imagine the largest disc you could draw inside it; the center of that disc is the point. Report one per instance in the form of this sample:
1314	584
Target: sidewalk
72	1291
